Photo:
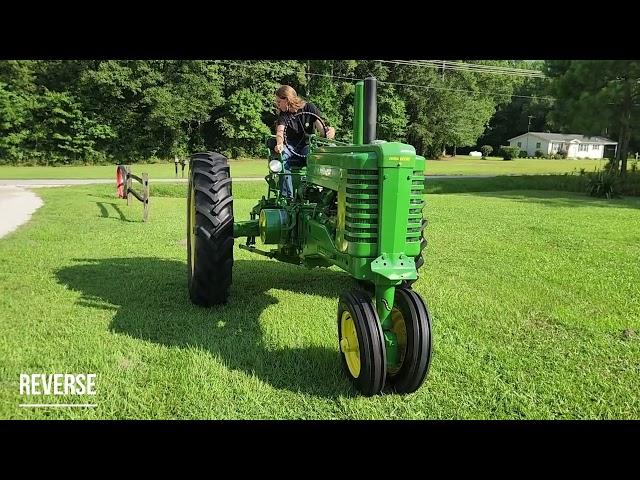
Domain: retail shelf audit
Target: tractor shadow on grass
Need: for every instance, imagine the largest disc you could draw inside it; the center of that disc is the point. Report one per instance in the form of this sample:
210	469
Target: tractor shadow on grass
152	302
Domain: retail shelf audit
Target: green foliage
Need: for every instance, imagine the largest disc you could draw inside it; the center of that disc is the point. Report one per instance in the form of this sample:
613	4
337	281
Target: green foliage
63	133
47	127
456	111
157	108
610	183
509	153
242	127
630	183
15	118
539	154
59	111
604	183
598	97
512	118
486	150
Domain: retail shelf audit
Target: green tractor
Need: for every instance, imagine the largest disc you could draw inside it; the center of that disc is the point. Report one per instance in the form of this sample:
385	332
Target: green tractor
357	206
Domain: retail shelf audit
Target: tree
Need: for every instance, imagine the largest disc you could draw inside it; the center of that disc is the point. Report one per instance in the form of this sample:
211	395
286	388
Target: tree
450	108
598	96
520	114
15	122
156	108
247	111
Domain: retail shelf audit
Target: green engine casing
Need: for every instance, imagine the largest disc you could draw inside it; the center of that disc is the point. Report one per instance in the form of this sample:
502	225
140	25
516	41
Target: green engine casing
358	207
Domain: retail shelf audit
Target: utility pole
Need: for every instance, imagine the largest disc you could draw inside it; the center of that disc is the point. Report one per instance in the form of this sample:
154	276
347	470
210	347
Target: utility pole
528	127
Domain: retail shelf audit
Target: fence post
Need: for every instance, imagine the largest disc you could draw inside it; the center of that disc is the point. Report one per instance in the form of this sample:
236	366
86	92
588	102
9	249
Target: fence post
126	188
145	195
128	185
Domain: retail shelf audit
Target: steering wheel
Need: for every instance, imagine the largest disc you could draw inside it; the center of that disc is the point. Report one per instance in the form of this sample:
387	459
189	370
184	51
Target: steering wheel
291	121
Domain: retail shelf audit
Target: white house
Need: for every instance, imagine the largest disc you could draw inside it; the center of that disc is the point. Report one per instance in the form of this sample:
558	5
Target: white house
577	146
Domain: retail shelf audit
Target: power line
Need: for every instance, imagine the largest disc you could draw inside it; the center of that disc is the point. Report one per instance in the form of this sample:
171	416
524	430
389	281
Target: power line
453	65
501	67
432	87
482	66
469	67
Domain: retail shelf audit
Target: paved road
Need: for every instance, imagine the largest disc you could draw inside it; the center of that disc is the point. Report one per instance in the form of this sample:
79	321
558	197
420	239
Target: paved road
16	207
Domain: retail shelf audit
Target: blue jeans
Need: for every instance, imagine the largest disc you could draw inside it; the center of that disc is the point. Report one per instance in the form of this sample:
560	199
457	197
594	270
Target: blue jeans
289	159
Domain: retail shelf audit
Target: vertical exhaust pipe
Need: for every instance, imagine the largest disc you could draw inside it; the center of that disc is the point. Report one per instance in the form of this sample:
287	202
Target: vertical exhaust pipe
358	114
370	109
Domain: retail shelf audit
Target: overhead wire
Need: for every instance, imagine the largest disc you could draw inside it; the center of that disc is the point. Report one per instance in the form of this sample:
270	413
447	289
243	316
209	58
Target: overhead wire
433	87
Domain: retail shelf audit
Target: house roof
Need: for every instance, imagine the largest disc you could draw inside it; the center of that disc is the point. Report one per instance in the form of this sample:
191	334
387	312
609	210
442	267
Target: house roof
569	137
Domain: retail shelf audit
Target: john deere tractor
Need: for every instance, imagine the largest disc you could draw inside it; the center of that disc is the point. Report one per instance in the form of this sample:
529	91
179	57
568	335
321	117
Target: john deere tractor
357	206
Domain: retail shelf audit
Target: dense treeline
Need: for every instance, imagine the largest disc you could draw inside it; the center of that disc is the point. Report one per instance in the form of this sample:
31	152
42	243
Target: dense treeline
90	111
54	112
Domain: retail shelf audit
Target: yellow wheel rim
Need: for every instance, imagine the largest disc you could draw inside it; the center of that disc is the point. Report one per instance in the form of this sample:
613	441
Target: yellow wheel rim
349	344
192	229
399	327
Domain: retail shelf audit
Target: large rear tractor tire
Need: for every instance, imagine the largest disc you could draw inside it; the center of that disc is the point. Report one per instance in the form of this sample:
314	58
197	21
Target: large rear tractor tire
209	229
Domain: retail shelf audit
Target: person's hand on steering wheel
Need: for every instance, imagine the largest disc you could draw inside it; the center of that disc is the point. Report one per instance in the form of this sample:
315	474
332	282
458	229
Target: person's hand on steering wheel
330	133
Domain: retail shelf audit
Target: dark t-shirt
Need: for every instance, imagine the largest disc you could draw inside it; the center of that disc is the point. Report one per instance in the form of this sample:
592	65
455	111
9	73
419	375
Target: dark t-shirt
295	129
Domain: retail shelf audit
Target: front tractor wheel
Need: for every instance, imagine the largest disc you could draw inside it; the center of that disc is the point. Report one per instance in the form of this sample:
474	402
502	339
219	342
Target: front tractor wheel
209	229
362	350
411	323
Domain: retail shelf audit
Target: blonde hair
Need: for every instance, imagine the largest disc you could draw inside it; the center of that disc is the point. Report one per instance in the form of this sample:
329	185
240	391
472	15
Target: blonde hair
285	92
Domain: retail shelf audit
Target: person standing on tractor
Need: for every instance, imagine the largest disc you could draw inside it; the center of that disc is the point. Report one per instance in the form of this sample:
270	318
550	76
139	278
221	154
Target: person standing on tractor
293	117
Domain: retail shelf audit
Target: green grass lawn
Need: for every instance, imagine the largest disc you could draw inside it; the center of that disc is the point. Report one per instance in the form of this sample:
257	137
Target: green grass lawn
460	165
239	168
465	165
535	298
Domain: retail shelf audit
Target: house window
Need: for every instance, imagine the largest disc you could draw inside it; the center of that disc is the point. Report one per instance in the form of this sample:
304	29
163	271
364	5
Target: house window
583	147
520	144
596	147
538	145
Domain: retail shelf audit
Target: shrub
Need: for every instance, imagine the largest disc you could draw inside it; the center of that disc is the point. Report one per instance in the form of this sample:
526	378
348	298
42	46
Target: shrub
604	183
630	183
539	154
509	153
486	150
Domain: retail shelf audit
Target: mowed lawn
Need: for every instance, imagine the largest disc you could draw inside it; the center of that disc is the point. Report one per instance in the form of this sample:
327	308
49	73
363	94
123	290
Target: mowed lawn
535	298
240	168
460	165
